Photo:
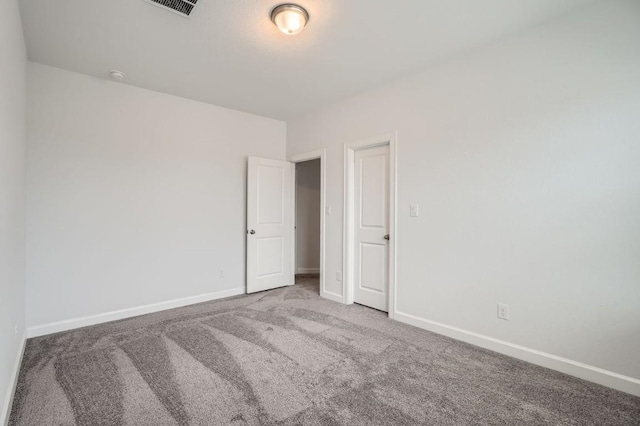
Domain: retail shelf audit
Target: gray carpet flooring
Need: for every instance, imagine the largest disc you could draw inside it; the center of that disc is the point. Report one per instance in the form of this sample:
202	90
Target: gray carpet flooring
287	357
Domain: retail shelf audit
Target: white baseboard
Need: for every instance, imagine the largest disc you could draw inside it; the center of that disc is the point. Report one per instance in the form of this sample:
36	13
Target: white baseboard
70	324
584	371
308	271
13	382
332	296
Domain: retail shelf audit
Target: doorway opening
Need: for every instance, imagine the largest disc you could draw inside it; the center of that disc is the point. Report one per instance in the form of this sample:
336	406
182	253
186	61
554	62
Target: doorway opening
309	219
307	222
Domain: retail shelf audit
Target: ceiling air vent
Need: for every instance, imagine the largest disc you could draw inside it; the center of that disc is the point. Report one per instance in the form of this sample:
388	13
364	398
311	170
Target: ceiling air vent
181	7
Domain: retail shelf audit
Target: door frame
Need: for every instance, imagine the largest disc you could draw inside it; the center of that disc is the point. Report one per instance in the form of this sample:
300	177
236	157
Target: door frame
348	229
320	154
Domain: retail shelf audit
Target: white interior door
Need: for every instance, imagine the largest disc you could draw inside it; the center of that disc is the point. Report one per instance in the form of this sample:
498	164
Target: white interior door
269	224
371	220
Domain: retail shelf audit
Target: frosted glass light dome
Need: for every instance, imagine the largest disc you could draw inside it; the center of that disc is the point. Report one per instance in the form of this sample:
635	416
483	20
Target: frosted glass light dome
289	18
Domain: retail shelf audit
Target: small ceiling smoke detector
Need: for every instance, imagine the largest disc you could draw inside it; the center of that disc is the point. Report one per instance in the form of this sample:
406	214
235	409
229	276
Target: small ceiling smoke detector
117	75
289	18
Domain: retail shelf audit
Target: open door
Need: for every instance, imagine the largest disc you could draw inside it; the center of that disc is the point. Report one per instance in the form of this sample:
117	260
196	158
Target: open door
269	224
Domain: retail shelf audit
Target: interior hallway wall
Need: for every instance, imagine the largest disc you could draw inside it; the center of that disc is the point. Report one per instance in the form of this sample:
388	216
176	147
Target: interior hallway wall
308	216
523	157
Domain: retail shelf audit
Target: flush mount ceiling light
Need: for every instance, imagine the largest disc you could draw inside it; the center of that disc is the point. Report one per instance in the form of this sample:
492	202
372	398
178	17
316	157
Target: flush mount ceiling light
289	18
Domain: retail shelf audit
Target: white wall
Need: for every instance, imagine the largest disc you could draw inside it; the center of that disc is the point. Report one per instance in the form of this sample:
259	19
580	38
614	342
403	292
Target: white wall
13	61
308	216
134	197
524	158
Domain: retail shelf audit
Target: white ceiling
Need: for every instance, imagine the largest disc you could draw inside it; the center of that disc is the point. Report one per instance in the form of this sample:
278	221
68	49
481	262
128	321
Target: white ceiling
230	54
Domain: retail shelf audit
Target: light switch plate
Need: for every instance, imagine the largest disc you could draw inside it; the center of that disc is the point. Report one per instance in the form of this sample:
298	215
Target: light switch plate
414	210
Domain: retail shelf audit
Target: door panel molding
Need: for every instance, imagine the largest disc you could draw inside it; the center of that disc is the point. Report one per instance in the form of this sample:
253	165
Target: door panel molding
348	233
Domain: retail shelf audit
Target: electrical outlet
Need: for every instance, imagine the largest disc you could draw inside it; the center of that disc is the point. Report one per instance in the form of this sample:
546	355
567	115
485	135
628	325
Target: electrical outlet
338	276
414	210
221	273
15	330
503	311
329	211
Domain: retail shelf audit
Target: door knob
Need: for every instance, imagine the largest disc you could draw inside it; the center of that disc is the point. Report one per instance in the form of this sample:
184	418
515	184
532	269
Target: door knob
386	237
252	232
